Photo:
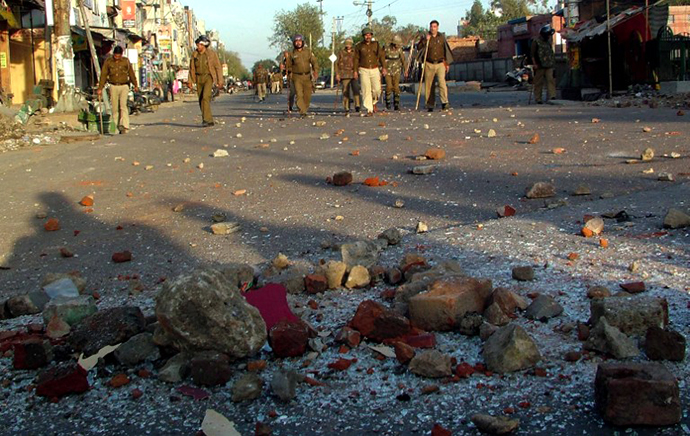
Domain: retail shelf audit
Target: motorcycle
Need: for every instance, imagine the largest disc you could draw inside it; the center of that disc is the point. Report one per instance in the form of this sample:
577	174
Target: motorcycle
143	101
520	76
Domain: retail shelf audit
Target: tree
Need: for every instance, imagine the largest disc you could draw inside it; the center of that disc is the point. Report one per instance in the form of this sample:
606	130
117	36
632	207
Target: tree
384	28
268	64
481	22
410	32
235	67
305	19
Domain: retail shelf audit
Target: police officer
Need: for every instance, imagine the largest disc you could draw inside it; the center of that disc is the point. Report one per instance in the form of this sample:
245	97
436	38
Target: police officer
302	65
396	65
345	75
438	60
119	74
370	63
260	78
205	70
276	81
543	62
288	80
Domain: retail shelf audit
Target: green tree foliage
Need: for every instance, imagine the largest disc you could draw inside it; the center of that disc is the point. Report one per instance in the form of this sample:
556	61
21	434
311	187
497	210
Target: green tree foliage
484	23
235	67
269	64
305	19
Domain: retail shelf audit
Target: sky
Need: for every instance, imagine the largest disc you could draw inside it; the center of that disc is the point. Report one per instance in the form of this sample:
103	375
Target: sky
245	26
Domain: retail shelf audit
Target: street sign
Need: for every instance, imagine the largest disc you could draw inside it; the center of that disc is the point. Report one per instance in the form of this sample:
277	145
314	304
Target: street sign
333	57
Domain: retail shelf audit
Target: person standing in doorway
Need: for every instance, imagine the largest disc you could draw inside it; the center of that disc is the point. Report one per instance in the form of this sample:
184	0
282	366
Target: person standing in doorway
370	63
205	70
119	74
345	75
543	62
438	60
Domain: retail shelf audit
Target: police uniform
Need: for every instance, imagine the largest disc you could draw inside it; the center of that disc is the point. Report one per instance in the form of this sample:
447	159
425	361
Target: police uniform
205	70
437	58
119	74
369	57
260	79
542	54
396	66
345	69
276	80
302	64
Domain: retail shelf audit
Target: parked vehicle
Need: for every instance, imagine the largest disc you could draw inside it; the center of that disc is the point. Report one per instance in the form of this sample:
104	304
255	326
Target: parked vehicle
321	83
519	76
143	101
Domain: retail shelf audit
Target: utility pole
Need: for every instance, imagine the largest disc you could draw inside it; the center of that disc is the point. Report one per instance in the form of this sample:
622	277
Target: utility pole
368	4
320	2
63	54
333	57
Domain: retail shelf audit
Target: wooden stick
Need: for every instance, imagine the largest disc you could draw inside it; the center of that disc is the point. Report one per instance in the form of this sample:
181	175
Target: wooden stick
100	114
419	91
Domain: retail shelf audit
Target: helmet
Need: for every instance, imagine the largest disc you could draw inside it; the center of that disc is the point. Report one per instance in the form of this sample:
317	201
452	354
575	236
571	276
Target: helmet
367	30
397	40
203	39
547	30
349	42
297	37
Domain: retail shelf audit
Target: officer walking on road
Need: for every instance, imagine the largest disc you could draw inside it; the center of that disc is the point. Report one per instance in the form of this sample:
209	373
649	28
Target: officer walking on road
543	61
302	65
345	75
260	78
370	63
396	65
205	70
119	74
276	81
438	60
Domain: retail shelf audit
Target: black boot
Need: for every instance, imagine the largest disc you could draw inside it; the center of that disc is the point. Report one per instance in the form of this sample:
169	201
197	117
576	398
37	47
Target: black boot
396	102
388	102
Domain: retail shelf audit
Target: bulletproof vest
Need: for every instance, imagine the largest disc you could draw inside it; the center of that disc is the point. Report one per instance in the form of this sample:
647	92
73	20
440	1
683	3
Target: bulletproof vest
545	55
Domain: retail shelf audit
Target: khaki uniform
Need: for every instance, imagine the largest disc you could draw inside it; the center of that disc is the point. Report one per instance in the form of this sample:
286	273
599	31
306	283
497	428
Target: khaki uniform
205	70
276	81
437	58
345	69
542	54
288	76
119	74
368	59
302	64
260	79
396	66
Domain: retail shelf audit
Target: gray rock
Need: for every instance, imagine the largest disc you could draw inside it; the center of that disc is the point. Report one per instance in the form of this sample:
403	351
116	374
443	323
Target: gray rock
676	219
392	236
247	388
632	315
106	327
510	349
284	384
225	228
543	307
486	330
470	323
28	304
205	311
70	309
238	274
175	369
523	273
137	349
78	281
495	424
423	170
63	287
595	225
607	339
540	190
432	364
496	316
362	253
582	190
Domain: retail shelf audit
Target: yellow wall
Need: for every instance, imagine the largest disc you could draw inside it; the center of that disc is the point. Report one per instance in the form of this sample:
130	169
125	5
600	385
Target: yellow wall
22	64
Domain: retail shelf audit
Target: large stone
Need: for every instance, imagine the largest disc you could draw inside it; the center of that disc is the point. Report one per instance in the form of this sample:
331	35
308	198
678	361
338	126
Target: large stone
663	344
205	311
247	388
359	277
507	301
76	280
210	368
523	273
543	307
315	283
335	273
70	309
284	384
240	275
447	301
632	315
540	190
139	348
432	364
392	236
28	304
510	349
378	323
495	424
60	380
32	353
494	315
631	394
676	219
608	339
175	369
470	323
289	338
64	287
362	253
107	327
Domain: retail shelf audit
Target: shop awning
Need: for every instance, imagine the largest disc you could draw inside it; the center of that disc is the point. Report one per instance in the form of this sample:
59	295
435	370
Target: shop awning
592	28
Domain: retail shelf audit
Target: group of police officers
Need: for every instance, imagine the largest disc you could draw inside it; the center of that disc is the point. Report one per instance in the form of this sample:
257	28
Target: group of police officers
359	69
